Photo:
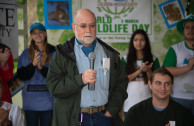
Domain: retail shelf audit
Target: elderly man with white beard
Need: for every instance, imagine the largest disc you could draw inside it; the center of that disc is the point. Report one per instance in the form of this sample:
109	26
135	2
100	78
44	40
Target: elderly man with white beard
86	78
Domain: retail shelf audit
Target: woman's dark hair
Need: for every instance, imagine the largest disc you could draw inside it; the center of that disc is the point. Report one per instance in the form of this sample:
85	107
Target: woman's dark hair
131	65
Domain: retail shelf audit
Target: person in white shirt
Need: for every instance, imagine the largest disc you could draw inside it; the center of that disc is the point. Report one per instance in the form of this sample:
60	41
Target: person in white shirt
179	61
10	114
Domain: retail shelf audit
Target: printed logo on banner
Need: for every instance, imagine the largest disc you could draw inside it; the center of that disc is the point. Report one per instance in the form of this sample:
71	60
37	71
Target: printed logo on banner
118	19
116	8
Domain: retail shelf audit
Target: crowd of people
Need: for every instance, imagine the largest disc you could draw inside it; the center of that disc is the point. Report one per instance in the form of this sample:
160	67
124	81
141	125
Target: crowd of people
57	80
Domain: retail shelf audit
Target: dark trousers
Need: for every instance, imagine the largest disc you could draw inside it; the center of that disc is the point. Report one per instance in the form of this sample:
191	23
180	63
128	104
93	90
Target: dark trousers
96	119
32	117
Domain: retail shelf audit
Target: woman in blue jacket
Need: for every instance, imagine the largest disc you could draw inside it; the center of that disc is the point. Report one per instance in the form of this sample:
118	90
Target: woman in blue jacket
32	69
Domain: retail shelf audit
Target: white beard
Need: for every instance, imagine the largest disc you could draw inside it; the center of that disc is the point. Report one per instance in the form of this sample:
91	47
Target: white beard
84	40
87	41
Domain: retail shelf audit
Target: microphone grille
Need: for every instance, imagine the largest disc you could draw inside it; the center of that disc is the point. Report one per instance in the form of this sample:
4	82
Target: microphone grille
92	55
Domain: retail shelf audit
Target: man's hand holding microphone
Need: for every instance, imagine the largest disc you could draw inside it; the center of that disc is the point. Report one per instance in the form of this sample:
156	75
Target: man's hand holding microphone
89	76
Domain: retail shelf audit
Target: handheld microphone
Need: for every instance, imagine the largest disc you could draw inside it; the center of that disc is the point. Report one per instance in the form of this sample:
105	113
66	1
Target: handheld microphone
92	57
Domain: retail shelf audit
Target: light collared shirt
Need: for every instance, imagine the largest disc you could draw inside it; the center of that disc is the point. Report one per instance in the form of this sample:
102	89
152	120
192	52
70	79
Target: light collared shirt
99	96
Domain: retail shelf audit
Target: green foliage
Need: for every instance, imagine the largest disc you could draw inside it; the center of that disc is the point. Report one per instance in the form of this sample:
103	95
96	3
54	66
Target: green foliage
192	7
66	36
40	10
20	15
155	7
172	37
21	1
120	46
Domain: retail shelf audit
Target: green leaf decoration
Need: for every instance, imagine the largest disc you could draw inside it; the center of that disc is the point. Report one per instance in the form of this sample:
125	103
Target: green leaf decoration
66	36
40	10
172	37
157	28
120	46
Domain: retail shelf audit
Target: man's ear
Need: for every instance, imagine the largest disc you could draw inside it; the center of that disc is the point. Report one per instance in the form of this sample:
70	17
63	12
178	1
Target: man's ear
73	27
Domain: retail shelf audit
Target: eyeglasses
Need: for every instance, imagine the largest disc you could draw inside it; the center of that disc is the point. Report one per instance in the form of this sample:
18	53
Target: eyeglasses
84	26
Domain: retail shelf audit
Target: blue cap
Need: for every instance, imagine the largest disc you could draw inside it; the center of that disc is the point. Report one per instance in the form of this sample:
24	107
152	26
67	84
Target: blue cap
37	26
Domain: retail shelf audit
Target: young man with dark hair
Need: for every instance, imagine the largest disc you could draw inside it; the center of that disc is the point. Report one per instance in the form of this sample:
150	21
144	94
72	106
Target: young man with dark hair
159	110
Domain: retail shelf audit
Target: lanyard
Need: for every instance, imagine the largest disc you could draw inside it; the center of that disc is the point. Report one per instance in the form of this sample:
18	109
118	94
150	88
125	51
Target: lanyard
80	123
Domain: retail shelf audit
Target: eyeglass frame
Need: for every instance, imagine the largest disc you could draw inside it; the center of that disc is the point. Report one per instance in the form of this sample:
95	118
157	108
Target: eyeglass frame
84	26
